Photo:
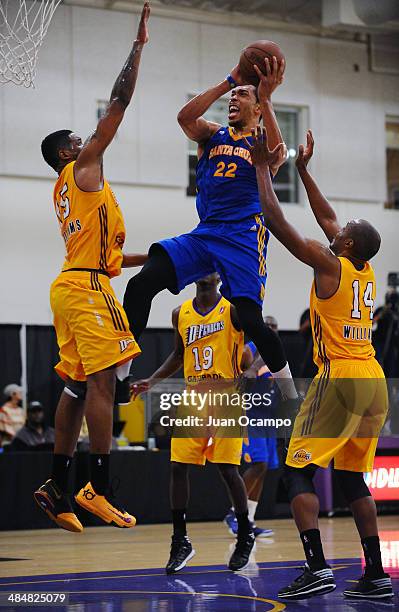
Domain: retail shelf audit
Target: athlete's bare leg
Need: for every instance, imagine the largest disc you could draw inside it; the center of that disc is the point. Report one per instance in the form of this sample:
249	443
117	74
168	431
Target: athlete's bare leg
179	486
68	422
305	510
364	512
99	405
235	485
253	478
98	409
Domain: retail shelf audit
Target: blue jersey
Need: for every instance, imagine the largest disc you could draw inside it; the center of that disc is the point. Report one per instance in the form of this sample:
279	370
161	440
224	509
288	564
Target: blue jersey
226	179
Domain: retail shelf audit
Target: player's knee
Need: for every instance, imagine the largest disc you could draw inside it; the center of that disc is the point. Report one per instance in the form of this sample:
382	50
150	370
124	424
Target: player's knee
252	323
259	468
140	284
155	276
250	315
178	470
76	389
228	472
299	480
352	484
102	384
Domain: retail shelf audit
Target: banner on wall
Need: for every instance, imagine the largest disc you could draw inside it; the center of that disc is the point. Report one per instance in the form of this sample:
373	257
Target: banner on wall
383	481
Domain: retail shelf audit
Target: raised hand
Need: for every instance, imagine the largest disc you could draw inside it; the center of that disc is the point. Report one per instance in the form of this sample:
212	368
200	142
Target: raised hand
304	154
140	386
142	32
236	74
260	153
273	77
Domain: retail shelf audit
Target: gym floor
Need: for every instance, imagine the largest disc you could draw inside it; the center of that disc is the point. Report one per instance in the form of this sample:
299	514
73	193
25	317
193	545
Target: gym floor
113	570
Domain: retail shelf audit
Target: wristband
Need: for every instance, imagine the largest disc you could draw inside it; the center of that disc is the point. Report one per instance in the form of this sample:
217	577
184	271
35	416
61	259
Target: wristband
231	81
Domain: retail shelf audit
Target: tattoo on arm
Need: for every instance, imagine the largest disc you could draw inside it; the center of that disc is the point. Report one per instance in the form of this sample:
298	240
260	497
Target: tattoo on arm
124	85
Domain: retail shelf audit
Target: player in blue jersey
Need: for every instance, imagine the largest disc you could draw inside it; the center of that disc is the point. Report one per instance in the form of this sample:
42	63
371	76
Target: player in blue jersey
231	237
259	450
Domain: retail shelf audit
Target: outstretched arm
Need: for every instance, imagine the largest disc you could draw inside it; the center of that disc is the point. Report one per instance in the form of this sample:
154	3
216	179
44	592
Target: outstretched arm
191	117
308	251
131	260
170	366
322	209
88	167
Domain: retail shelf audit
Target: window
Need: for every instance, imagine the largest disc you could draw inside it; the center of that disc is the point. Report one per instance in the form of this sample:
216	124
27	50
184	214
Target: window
286	181
392	162
101	108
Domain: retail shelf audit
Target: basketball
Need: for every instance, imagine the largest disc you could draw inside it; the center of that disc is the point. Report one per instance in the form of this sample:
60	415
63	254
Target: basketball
255	53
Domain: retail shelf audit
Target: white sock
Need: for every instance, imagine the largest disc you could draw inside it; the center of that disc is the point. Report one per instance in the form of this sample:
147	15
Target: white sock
285	382
123	370
252	505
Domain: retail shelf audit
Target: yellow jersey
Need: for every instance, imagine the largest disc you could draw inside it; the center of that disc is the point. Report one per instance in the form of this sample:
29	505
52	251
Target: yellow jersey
91	225
212	346
341	324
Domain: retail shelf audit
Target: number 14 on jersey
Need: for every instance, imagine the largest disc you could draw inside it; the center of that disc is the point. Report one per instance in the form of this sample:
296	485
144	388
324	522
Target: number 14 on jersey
367	300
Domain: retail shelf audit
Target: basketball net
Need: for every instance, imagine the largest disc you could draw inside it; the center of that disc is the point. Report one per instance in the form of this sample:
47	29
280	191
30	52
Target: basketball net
23	25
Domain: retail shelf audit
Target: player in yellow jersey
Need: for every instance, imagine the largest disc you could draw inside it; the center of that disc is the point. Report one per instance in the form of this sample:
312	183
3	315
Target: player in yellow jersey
95	343
209	344
346	405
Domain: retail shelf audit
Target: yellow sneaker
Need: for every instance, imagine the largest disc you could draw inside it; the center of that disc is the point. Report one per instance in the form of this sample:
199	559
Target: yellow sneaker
100	506
57	506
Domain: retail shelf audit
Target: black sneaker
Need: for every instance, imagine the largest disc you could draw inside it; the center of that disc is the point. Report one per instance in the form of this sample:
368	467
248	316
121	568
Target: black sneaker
240	557
365	588
309	583
181	551
57	506
122	391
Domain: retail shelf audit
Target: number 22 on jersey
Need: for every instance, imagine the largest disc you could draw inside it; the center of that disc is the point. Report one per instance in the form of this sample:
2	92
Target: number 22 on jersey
230	172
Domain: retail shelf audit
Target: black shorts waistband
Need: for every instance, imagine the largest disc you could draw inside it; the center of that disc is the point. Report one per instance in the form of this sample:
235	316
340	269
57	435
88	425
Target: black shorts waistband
87	270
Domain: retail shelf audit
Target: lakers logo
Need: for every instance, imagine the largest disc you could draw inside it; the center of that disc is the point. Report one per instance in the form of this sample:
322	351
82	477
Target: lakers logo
120	239
302	456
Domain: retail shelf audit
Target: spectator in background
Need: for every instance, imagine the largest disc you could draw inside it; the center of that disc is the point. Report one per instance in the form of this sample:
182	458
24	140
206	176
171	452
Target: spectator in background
34	435
12	416
386	345
386	334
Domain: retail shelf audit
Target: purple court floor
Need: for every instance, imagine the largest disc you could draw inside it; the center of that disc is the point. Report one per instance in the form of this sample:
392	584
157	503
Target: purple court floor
195	589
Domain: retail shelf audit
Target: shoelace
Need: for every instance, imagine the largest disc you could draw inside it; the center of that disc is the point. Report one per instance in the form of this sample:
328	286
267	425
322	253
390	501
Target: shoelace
301	578
176	547
242	544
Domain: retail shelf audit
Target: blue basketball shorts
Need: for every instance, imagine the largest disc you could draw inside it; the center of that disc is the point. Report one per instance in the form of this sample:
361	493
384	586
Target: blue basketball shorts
261	449
236	250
